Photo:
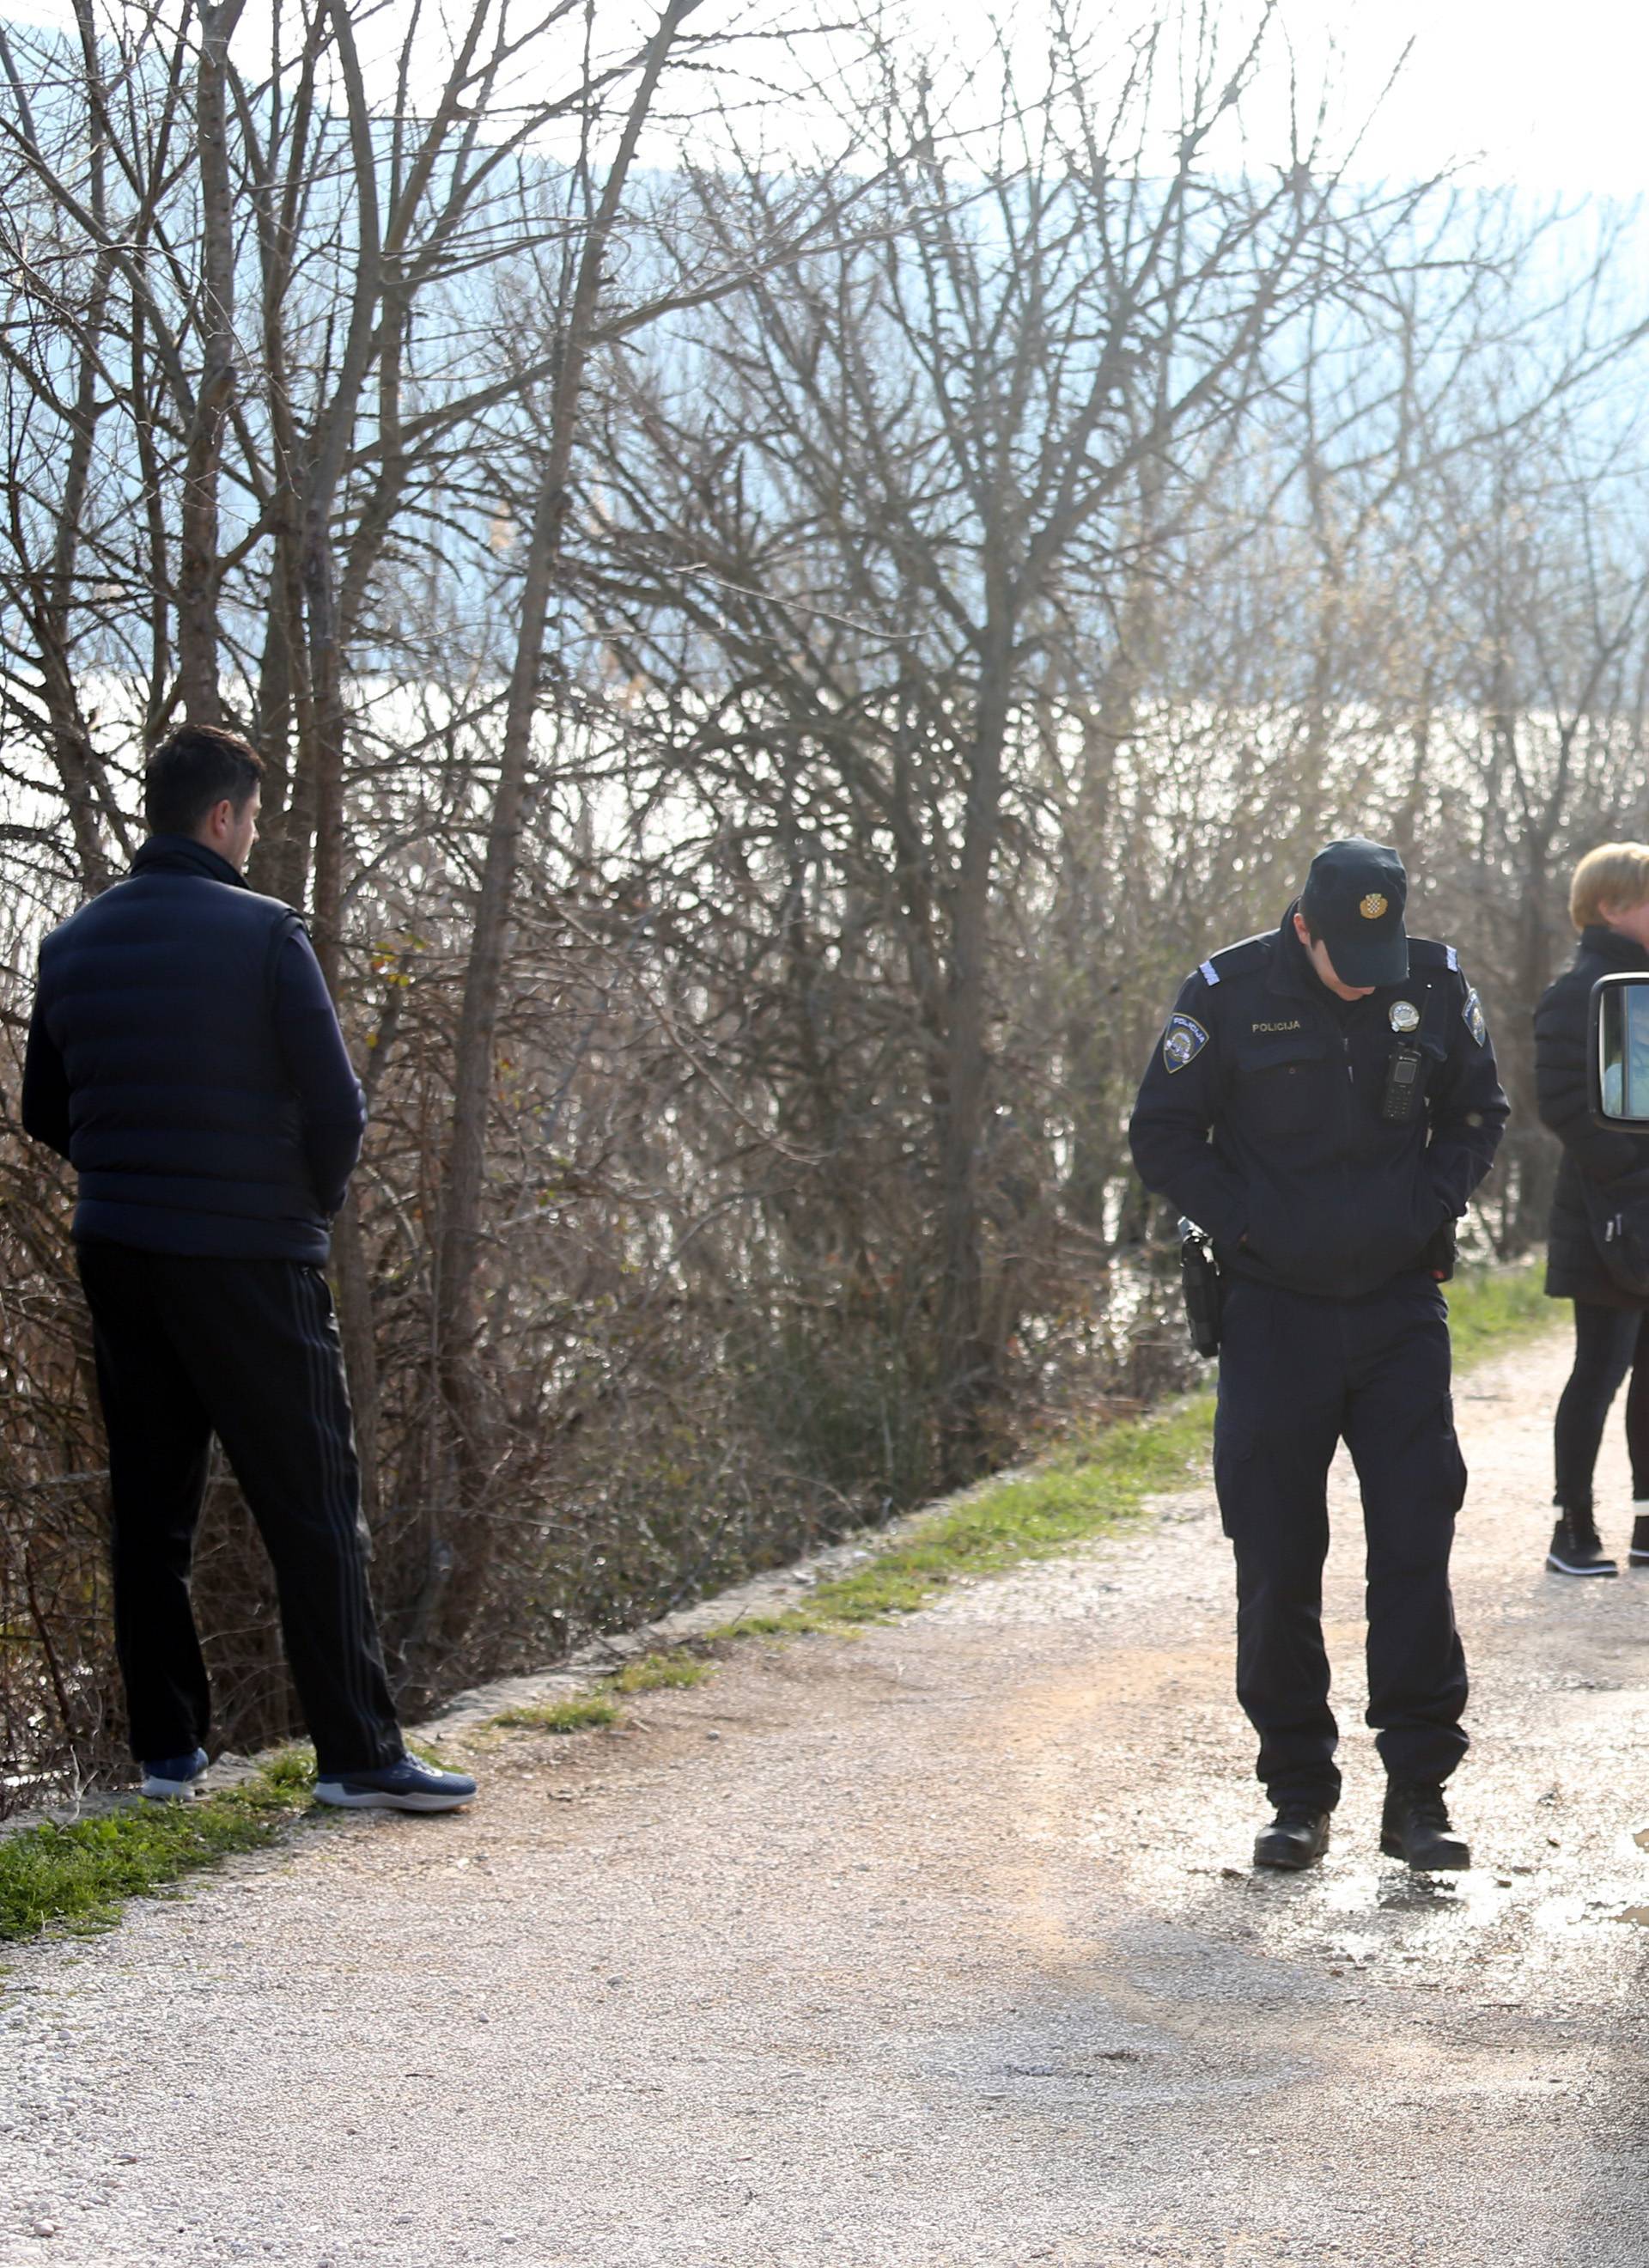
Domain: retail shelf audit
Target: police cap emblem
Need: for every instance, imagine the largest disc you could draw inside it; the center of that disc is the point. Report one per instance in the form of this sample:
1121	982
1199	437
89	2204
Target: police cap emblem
1183	1041
1405	1017
1471	1016
1372	906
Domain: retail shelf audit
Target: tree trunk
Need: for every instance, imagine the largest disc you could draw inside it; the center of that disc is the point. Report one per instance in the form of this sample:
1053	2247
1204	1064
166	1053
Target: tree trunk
323	771
467	1553
968	1364
197	527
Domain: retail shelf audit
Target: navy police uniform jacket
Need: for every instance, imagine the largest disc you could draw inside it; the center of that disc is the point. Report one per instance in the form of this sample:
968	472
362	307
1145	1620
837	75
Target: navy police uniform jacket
185	1056
1261	1115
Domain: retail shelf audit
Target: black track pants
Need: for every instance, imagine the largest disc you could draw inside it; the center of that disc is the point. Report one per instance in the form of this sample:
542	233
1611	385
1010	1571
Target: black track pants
247	1350
1609	1341
1297	1375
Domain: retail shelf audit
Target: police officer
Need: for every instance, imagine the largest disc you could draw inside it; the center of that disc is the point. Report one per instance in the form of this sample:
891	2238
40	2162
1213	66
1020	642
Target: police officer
1323	1101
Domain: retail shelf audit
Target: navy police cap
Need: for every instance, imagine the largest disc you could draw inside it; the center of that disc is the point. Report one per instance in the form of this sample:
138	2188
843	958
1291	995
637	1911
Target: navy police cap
1354	901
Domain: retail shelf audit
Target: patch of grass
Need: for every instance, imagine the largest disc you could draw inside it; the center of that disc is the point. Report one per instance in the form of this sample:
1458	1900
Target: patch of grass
79	1877
788	1622
579	1713
1083	1490
650	1672
290	1772
584	1713
1491	1308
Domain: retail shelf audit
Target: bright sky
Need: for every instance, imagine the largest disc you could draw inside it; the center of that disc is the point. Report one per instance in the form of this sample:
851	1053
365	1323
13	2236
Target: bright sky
1551	94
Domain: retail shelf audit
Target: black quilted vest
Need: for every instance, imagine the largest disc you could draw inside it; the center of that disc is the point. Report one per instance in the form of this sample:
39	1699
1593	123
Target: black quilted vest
185	1132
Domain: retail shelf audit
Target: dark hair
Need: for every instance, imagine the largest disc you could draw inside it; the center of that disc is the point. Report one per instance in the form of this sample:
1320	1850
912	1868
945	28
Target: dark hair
193	769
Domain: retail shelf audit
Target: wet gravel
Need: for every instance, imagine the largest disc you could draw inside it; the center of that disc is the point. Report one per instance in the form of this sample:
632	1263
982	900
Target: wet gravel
938	1947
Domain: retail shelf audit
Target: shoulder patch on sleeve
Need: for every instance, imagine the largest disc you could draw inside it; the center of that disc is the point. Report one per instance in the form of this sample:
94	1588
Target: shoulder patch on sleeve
1184	1040
1471	1016
1426	953
1231	960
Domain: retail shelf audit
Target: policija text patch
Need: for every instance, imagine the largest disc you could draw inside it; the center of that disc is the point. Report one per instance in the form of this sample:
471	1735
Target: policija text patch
1183	1041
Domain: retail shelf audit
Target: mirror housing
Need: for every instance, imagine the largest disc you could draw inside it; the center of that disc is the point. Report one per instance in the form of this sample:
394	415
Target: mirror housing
1617	1050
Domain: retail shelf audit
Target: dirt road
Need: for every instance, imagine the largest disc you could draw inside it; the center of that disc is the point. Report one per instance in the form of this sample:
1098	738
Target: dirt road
937	1948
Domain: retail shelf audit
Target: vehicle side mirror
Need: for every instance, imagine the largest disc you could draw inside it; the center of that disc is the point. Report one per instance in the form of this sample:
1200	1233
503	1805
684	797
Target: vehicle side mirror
1617	1050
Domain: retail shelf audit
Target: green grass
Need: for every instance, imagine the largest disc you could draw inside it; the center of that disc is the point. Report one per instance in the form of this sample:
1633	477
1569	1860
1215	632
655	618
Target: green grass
651	1673
586	1712
1491	1308
784	1622
1082	1490
580	1713
79	1877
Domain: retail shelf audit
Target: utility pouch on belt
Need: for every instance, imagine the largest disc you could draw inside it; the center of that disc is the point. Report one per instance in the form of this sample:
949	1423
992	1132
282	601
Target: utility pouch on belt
1204	1291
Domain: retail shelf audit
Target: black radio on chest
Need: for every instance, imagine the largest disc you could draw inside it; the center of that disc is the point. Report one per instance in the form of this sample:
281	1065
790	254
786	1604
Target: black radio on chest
1401	1100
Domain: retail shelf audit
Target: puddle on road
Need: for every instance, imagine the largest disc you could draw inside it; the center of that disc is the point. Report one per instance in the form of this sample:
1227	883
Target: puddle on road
1502	1929
1367	1888
1472	1900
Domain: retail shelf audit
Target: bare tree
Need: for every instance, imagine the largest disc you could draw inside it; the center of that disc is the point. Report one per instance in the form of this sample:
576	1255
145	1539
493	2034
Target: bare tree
906	504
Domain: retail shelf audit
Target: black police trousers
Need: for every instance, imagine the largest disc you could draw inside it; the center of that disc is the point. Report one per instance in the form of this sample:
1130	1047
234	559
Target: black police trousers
1298	1375
247	1350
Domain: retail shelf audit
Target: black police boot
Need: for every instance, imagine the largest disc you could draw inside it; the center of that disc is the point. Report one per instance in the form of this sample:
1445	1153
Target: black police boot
1576	1548
1298	1837
1638	1556
1414	1825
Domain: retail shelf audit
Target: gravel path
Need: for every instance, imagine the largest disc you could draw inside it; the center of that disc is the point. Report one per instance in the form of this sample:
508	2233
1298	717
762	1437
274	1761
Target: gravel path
938	1946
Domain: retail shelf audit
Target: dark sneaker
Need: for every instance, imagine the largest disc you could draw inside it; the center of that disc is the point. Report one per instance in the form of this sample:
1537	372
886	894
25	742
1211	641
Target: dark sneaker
173	1779
407	1786
1576	1549
1298	1837
1414	1825
1638	1556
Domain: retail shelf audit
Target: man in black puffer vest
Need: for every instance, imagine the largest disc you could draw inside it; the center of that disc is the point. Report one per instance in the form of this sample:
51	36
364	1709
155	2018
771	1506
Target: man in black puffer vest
184	1056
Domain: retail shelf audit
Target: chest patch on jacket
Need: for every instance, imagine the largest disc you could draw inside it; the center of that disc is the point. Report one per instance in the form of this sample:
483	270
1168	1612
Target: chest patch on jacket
1294	1026
1183	1041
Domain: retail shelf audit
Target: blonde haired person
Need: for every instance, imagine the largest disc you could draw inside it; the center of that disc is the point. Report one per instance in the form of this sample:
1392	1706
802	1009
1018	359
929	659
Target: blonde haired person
1604	1172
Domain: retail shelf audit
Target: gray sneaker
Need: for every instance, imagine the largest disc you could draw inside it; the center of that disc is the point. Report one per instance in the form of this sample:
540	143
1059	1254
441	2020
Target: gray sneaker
405	1786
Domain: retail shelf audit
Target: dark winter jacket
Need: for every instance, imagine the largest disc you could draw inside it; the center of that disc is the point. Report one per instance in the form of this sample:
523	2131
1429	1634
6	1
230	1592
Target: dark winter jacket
185	1057
1598	1155
1260	1115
